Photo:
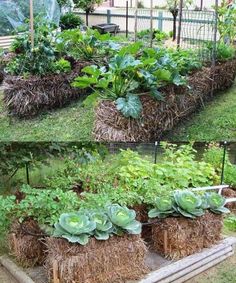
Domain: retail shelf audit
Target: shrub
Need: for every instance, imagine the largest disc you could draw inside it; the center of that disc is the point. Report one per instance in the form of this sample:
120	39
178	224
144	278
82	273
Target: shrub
70	21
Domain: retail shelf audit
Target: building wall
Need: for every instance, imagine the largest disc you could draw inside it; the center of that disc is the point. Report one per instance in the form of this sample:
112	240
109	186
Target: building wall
161	3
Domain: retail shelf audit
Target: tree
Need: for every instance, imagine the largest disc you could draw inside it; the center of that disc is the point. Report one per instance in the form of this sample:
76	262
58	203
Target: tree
173	6
88	6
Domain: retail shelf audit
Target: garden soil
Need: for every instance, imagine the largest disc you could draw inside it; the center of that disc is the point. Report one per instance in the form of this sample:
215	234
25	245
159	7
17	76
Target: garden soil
158	117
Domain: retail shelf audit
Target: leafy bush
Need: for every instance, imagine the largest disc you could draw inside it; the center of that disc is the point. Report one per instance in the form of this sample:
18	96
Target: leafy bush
44	206
89	46
214	156
230	223
224	51
79	227
40	60
70	21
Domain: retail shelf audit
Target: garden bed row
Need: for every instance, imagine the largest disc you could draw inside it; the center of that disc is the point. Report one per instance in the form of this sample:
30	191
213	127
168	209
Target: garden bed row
118	259
158	117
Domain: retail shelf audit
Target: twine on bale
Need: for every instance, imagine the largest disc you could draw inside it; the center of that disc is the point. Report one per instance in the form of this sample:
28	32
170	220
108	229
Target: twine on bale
176	238
116	260
26	98
158	117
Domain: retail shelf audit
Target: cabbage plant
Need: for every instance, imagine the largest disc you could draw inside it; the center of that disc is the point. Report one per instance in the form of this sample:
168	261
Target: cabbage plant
188	204
163	208
216	203
75	227
123	219
103	225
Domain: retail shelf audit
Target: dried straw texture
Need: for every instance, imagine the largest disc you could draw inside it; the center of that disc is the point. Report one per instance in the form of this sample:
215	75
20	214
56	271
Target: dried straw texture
158	117
176	238
26	98
230	193
117	260
28	250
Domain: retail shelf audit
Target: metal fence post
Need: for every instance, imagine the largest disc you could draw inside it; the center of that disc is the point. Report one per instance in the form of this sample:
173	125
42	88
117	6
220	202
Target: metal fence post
127	19
160	21
155	153
27	172
108	16
223	162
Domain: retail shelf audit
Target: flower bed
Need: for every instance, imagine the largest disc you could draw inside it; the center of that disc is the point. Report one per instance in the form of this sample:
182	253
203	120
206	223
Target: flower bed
28	97
115	260
179	237
158	117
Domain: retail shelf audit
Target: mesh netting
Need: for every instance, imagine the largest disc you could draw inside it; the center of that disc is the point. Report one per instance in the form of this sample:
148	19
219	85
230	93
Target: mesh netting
14	14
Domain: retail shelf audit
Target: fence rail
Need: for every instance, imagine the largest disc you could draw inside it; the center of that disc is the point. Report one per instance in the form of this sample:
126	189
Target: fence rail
6	41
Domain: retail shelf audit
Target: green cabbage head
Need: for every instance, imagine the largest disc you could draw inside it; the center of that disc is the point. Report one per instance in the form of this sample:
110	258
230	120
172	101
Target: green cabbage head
75	227
123	219
163	208
188	204
216	203
103	225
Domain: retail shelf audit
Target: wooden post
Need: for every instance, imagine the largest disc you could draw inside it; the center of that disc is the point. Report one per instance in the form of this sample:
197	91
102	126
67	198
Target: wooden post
32	23
151	22
55	272
165	242
136	20
181	5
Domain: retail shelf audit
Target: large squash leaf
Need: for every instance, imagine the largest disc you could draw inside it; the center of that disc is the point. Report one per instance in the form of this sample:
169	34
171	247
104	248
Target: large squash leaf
130	106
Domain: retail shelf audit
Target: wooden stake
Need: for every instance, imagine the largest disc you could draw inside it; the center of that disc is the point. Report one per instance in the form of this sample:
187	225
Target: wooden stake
136	20
165	242
32	23
151	22
55	272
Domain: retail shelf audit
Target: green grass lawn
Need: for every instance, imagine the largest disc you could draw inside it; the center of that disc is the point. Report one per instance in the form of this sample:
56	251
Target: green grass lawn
72	123
216	122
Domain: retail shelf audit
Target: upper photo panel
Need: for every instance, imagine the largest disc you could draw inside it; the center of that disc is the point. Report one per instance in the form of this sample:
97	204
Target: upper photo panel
117	71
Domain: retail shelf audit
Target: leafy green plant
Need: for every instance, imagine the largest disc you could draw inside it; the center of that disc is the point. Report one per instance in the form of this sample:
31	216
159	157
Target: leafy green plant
124	218
62	66
188	204
227	21
90	46
163	208
224	51
70	21
75	227
216	203
37	60
230	223
80	226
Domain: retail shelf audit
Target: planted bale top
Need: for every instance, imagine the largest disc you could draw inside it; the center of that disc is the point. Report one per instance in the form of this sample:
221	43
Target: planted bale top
158	117
26	98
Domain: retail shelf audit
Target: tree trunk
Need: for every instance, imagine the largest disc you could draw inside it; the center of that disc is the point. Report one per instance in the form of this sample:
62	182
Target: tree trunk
174	12
87	18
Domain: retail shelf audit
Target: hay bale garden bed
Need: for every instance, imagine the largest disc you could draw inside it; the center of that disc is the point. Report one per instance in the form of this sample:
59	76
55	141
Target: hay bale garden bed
158	117
28	97
117	260
176	238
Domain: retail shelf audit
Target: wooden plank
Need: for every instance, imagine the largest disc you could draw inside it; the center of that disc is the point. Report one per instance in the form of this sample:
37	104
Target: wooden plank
196	266
188	261
203	268
15	271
